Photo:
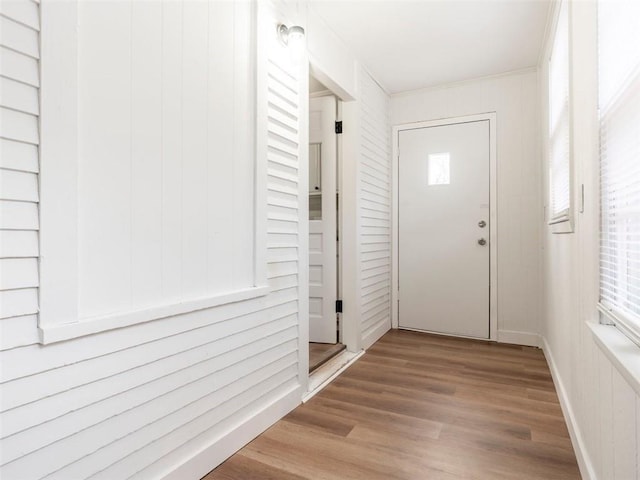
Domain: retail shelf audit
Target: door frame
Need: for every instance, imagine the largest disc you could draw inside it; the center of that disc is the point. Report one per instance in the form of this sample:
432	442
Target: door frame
347	216
493	211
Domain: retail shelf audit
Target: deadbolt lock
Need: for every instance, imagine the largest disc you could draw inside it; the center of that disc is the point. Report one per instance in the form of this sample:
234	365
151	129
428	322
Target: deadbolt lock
482	224
482	241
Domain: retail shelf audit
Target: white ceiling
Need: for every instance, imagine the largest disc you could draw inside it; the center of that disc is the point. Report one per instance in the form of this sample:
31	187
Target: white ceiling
408	45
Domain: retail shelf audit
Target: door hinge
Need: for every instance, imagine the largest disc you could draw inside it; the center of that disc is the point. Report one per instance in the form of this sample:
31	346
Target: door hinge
339	127
338	306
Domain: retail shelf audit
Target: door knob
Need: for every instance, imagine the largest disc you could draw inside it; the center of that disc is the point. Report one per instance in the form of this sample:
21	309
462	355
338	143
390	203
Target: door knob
482	241
482	224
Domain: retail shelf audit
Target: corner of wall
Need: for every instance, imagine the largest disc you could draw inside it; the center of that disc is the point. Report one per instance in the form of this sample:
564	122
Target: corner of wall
237	436
585	463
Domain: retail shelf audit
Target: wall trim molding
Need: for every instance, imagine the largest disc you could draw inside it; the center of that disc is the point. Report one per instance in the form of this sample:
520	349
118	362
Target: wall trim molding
519	338
585	463
207	458
440	86
621	351
56	333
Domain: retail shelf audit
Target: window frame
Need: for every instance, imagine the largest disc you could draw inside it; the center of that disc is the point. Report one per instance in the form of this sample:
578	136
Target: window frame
609	313
563	222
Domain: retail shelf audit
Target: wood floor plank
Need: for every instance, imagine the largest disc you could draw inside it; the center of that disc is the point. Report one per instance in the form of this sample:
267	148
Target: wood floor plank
419	406
240	466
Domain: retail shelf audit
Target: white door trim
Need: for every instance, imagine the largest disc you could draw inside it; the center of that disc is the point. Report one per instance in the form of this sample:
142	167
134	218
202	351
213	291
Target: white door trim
348	286
493	212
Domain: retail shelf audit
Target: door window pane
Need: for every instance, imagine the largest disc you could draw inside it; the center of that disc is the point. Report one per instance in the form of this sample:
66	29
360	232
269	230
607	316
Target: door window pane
315	181
439	169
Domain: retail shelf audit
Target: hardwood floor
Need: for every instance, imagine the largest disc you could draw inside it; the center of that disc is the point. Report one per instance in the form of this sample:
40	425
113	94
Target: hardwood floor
321	353
419	406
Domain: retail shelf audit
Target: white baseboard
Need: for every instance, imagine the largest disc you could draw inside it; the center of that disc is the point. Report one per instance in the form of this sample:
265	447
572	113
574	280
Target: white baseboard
584	461
519	338
374	335
213	455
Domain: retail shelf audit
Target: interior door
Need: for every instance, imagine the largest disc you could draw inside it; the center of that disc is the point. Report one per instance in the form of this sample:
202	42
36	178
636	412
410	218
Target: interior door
443	229
323	275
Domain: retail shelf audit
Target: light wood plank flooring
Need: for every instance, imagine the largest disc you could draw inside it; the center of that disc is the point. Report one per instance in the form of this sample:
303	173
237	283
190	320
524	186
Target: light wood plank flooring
419	406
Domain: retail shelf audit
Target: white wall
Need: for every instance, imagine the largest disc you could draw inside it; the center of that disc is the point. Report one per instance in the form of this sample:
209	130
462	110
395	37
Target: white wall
513	98
600	405
19	140
140	132
374	209
332	63
177	394
165	138
164	134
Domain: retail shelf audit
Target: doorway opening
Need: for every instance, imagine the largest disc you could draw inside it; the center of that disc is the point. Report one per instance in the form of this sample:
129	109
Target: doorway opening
325	336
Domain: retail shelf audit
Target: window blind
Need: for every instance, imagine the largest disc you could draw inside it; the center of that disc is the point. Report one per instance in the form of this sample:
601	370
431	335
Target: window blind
619	104
559	150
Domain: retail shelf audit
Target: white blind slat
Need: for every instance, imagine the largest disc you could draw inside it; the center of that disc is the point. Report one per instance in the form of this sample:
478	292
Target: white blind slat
619	105
559	132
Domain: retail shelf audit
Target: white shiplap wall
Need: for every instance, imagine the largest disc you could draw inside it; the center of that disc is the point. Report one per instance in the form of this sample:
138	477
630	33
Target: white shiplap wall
19	139
375	209
145	400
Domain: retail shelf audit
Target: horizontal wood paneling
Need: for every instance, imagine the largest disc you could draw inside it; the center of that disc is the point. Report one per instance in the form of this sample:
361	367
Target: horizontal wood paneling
166	357
375	209
18	331
17	36
19	189
26	12
156	399
31	360
15	185
18	215
18	243
18	273
18	156
19	126
18	96
141	400
15	303
251	401
19	67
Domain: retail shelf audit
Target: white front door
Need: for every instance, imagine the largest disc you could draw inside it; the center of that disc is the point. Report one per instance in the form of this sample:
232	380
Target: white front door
443	229
323	276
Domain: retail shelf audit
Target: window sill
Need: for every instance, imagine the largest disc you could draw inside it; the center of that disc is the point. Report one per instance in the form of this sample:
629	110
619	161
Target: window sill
620	350
57	333
561	226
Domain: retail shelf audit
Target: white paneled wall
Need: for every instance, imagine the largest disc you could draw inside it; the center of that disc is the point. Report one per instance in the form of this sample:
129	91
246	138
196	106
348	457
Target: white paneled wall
375	209
601	406
519	210
144	401
19	139
165	153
